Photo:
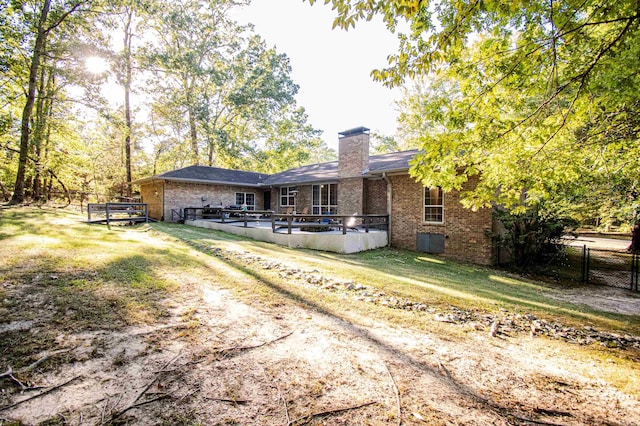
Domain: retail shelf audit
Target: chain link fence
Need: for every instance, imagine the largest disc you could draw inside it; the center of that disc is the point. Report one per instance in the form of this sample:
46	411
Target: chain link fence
613	268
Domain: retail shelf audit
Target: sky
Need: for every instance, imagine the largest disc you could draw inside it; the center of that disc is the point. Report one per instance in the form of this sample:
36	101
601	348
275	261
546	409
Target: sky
332	67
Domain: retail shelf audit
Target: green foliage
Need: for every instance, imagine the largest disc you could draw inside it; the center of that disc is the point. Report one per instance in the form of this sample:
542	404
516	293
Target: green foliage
215	92
289	142
531	238
384	144
536	97
222	91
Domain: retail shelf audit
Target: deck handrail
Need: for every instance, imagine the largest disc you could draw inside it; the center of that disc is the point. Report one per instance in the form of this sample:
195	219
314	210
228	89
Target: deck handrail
119	212
228	215
344	222
293	221
175	213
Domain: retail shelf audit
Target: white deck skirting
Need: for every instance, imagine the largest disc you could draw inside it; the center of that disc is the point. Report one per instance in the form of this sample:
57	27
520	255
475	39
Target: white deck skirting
333	241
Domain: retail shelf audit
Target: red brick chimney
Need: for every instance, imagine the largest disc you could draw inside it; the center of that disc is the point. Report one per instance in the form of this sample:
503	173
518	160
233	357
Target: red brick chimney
353	162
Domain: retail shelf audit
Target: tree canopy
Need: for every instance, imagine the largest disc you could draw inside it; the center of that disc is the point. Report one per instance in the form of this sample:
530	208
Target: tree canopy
187	85
539	98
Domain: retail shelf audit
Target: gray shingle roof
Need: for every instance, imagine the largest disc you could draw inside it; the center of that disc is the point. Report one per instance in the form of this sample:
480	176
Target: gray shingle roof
207	174
394	162
305	174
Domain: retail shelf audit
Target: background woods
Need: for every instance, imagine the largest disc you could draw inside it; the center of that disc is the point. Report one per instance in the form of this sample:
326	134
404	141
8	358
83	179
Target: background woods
538	98
95	94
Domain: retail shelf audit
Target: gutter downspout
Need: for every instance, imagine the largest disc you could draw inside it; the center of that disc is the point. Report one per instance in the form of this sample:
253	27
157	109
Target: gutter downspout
163	197
389	209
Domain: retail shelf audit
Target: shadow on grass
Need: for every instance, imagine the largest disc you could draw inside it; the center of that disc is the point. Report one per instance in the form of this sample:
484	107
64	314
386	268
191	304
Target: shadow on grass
20	221
420	275
123	292
435	280
394	353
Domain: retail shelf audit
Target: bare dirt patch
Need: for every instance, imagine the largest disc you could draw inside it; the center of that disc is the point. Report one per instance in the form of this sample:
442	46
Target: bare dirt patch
217	353
608	299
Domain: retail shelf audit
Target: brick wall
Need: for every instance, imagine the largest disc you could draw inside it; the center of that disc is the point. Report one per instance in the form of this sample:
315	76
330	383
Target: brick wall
375	196
353	160
179	195
303	199
353	155
464	229
350	196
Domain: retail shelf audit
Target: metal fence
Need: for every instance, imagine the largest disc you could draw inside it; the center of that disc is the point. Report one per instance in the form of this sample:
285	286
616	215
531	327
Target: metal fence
614	268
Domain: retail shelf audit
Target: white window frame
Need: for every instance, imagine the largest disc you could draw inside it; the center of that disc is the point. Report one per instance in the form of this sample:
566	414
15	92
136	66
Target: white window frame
244	199
321	208
289	196
426	206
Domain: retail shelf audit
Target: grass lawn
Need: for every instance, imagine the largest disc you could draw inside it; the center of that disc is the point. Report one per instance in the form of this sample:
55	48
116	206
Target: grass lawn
117	279
115	304
438	282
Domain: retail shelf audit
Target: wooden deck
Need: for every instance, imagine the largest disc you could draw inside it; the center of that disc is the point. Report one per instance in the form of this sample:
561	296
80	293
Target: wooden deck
289	222
333	233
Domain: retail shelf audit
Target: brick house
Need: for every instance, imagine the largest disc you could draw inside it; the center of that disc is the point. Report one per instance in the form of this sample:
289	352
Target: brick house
421	219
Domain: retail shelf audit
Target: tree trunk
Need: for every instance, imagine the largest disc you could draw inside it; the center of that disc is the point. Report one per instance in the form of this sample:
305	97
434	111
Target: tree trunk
50	93
49	187
127	105
64	187
39	130
5	193
18	191
211	152
193	130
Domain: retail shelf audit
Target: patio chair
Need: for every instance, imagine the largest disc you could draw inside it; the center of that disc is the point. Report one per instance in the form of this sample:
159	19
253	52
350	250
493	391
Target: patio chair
287	212
304	212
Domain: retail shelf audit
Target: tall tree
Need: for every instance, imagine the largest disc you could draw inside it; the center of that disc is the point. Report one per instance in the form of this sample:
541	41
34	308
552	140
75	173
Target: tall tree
534	96
229	87
46	22
127	80
289	142
195	41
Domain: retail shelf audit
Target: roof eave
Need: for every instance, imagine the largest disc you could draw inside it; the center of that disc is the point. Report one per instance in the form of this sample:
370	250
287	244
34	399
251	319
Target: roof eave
380	172
204	181
302	182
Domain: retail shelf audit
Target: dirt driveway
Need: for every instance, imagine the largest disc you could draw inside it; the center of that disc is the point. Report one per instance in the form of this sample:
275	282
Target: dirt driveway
224	358
598	242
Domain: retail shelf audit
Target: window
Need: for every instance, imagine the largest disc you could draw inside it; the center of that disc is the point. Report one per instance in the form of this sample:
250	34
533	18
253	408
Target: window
325	198
433	205
287	196
248	198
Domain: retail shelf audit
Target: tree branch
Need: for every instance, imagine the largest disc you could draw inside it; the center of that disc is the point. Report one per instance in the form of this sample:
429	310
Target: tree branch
63	17
309	417
583	79
6	407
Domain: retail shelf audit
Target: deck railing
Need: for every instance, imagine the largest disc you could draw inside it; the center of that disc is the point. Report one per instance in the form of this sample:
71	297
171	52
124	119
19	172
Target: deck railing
319	223
117	212
228	215
288	222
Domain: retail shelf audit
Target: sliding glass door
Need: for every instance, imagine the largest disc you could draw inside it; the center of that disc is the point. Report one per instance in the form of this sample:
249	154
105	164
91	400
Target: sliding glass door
325	198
